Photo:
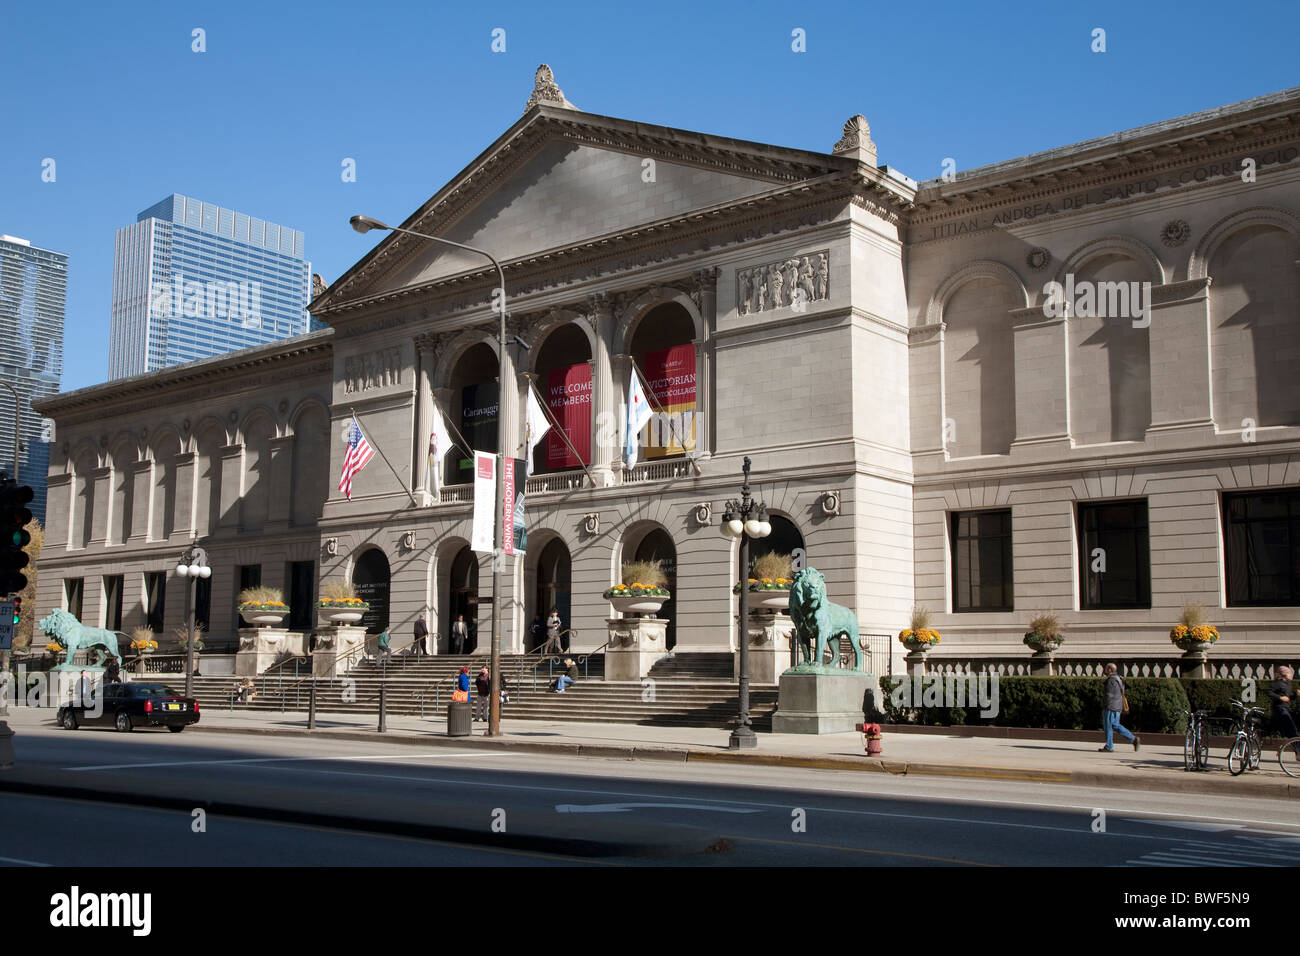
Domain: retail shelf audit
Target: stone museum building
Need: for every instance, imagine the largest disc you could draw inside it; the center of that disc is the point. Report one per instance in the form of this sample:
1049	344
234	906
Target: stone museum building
1066	381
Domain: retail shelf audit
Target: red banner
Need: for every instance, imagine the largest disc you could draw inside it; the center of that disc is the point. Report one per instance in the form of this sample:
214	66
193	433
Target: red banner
670	376
568	396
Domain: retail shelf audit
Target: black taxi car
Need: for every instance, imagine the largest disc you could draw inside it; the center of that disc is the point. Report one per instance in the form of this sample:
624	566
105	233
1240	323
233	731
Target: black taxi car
126	706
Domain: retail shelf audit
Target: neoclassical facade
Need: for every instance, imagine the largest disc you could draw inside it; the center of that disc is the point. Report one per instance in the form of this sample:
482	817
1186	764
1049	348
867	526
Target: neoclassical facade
931	420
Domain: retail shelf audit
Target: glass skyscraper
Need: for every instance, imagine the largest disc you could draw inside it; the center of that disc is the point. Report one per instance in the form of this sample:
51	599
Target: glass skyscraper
33	296
192	280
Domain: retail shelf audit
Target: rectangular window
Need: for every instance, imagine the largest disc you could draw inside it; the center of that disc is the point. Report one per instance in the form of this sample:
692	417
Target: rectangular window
1114	555
302	595
72	591
1261	535
113	585
981	561
203	604
155	591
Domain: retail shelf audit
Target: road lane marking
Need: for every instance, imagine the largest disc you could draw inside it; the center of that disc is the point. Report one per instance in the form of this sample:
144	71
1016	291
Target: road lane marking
625	807
11	859
246	760
1082	830
854	849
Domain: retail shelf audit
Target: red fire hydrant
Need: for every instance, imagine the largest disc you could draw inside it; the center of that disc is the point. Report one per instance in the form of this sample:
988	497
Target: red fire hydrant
873	737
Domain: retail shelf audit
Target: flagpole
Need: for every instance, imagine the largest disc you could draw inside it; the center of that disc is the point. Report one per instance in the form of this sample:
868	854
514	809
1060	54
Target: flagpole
375	446
464	444
563	434
649	393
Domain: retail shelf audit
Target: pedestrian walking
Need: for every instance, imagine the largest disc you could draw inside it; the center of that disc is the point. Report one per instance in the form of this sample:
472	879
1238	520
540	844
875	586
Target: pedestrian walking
1280	692
458	634
1115	701
382	652
553	627
482	684
112	672
421	635
85	689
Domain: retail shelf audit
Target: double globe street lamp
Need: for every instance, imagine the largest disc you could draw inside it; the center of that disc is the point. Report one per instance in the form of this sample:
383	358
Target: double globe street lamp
193	565
744	519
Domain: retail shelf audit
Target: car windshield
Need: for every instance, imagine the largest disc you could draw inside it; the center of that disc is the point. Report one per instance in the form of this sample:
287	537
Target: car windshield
153	690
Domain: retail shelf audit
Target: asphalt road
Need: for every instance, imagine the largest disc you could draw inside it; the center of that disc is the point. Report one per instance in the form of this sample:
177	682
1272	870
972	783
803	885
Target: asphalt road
278	801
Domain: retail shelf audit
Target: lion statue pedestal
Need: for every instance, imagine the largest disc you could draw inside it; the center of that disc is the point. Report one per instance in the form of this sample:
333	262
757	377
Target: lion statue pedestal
817	698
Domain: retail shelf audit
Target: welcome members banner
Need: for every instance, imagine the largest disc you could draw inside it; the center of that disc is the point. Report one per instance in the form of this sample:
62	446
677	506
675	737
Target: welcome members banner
485	501
568	396
670	376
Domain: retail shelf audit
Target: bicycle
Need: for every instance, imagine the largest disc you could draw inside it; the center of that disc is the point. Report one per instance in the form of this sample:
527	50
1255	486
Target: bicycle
1288	755
1249	744
1196	742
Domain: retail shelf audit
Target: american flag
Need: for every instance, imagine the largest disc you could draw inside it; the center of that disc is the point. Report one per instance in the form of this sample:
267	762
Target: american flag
359	452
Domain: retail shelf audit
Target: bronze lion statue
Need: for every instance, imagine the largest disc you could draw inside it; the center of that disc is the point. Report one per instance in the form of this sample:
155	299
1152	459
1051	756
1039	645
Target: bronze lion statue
74	636
818	621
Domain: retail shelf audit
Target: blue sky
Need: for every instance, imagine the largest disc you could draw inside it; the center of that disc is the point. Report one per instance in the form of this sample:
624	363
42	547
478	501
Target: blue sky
262	120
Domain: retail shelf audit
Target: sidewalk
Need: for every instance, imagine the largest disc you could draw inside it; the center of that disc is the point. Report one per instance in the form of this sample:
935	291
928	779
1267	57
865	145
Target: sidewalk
1075	762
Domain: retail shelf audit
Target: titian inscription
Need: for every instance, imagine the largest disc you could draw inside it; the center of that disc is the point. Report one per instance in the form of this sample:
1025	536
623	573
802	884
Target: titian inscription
376	369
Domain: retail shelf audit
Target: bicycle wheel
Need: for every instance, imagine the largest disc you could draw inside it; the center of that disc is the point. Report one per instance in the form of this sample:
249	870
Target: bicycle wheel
1202	747
1189	748
1288	756
1256	751
1238	755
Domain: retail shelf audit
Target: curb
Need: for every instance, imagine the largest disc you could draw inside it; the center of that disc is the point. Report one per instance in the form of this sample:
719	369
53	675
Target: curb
1180	783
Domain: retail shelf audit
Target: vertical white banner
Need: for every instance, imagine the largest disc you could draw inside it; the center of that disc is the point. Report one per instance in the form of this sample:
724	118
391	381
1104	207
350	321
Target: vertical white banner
485	500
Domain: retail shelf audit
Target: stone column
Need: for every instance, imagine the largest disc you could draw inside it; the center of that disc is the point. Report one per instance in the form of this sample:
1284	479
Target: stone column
58	506
280	492
1179	339
1042	377
232	485
443	396
103	497
186	473
508	409
423	420
707	280
621	371
141	480
604	396
925	358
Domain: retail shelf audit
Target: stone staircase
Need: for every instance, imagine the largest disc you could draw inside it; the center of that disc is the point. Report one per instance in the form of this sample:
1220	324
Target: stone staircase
689	690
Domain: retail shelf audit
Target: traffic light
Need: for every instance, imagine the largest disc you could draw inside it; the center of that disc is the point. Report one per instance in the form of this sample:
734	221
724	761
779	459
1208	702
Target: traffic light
18	611
14	516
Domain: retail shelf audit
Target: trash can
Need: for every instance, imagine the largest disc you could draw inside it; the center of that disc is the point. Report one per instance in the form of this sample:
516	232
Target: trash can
458	719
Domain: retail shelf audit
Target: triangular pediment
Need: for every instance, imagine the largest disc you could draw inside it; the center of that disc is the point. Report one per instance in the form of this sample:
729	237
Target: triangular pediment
560	178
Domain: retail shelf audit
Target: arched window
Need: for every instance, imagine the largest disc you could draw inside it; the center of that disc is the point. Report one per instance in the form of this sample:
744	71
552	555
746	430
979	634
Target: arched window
979	369
564	382
474	406
372	578
663	351
657	545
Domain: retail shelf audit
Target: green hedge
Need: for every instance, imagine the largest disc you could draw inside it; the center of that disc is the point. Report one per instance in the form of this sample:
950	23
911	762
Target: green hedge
1157	704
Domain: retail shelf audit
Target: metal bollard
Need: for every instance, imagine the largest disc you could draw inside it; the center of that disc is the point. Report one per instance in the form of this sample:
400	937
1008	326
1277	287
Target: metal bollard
311	707
383	706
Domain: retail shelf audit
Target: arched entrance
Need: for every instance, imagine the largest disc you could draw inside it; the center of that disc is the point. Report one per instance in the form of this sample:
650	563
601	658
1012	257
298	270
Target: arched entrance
371	577
462	595
563	375
663	349
554	581
784	539
657	545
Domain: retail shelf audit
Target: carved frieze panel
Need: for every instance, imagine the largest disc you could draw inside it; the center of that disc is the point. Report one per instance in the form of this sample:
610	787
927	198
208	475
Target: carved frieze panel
788	283
379	368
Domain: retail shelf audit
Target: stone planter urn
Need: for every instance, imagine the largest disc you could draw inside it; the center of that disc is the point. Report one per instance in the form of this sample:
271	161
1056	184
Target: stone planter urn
264	617
642	604
1044	643
770	600
339	614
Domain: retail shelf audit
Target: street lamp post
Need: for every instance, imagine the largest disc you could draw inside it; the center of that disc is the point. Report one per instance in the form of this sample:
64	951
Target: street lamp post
193	565
364	224
744	519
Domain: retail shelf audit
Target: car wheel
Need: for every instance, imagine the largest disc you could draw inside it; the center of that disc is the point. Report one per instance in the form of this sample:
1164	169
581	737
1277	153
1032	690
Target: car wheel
176	730
123	722
69	720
